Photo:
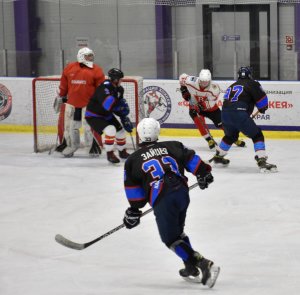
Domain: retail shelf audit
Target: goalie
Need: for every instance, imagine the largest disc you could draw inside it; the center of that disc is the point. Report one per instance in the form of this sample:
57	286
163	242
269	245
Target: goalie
77	84
108	102
202	95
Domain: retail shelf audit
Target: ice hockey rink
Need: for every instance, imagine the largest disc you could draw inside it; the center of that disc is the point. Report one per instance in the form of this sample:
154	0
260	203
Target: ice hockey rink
247	222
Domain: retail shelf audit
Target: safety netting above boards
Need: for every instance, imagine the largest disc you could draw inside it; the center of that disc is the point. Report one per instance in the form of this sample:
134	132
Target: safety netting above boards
165	2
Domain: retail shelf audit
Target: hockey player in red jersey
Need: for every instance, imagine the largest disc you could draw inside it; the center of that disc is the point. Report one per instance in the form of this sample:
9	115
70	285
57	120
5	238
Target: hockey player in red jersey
106	103
154	174
202	95
78	82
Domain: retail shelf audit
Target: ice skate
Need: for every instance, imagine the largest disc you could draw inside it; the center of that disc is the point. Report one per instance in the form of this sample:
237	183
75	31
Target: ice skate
190	273
265	167
111	157
123	154
209	272
218	159
189	270
240	143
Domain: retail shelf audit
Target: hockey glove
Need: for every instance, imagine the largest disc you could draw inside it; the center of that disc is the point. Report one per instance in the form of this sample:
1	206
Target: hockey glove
193	113
132	217
204	182
122	108
127	124
263	110
204	176
185	93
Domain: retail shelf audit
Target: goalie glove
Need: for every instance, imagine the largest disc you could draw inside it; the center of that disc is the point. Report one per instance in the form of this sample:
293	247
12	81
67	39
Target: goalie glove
204	178
127	124
132	217
58	101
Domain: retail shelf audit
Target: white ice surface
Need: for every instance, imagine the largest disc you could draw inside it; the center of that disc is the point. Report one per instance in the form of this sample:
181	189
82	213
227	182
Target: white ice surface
247	222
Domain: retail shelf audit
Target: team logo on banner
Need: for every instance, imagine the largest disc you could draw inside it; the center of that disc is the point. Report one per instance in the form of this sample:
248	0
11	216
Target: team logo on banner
5	102
157	103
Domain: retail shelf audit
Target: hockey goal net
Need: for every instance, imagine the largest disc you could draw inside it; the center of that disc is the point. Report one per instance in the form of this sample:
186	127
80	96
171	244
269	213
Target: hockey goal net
45	120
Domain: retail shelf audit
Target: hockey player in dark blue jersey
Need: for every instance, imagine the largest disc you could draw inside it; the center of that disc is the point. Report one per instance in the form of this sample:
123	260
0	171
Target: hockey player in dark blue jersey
239	101
154	174
107	102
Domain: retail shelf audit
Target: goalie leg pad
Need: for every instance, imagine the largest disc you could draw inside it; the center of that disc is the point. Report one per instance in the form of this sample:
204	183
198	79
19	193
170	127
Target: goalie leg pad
75	134
74	139
69	115
109	139
71	131
88	135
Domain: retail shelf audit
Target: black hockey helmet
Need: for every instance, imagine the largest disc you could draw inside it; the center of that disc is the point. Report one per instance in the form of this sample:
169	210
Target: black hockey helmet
115	74
245	73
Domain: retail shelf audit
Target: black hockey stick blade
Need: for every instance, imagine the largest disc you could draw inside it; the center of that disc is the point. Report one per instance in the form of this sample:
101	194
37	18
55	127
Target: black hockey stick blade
78	246
67	243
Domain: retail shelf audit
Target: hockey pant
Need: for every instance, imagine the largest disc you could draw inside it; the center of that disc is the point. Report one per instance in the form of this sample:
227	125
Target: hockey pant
113	132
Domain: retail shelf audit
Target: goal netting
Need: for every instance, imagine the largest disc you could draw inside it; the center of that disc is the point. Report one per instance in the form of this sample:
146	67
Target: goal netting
45	120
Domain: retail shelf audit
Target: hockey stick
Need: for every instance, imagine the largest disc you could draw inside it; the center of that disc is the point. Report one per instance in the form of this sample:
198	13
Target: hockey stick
77	246
255	114
134	147
52	149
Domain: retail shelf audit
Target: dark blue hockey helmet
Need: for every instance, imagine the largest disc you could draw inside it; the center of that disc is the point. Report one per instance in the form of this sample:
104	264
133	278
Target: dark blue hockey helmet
115	74
245	73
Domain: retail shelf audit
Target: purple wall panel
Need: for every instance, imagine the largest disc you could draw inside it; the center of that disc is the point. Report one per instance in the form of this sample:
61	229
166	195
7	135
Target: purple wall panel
297	34
164	51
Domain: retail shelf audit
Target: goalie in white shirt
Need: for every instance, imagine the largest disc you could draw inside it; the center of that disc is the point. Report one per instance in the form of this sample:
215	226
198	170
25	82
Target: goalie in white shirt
202	95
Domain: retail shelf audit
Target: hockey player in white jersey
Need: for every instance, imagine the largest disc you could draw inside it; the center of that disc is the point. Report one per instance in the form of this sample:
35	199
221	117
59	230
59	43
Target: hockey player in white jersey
202	95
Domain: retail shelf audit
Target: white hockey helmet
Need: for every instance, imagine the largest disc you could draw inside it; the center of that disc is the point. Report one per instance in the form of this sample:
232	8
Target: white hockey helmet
204	77
86	56
148	130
